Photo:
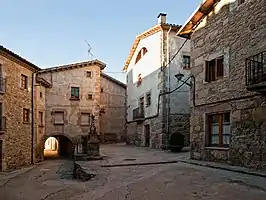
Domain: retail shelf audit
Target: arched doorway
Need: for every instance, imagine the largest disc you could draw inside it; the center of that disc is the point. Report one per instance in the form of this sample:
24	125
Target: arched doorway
58	146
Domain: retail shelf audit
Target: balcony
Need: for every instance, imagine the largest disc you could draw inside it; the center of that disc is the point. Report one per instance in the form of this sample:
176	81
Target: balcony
138	114
2	85
256	72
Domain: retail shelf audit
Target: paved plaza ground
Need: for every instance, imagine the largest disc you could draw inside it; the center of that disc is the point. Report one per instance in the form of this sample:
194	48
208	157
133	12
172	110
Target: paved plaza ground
52	179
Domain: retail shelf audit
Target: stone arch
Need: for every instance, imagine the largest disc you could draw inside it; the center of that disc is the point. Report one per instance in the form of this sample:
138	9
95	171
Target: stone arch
65	146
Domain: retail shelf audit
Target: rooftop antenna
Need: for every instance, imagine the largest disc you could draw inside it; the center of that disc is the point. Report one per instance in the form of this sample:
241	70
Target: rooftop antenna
90	54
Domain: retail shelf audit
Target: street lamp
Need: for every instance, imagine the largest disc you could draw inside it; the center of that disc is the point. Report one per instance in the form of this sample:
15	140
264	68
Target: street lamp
179	77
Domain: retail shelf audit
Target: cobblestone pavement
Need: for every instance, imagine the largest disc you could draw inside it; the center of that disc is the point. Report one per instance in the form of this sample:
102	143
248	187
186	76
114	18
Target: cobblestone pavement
52	180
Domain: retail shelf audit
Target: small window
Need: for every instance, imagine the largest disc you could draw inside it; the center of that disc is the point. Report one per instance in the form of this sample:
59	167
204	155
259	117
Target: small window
141	53
26	115
186	62
101	89
241	2
148	99
58	118
214	69
40	118
74	92
24	82
90	96
85	119
89	74
40	94
218	129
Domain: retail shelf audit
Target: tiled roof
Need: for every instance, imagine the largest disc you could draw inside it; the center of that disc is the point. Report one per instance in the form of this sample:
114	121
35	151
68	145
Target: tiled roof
75	65
15	57
113	79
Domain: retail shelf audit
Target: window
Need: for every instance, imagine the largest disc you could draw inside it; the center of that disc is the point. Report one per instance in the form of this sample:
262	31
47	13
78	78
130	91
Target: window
141	102
40	94
26	115
24	82
89	74
214	69
40	118
186	62
101	89
241	1
148	99
141	53
85	119
58	117
74	92
139	80
218	129
90	96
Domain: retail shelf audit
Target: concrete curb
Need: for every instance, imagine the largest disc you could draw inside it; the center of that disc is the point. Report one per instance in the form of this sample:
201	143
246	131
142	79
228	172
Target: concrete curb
227	168
139	164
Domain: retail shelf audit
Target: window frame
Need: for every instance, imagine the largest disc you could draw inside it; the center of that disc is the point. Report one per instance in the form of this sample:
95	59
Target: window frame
89	74
26	115
186	66
214	69
41	119
73	95
221	124
24	82
148	99
58	123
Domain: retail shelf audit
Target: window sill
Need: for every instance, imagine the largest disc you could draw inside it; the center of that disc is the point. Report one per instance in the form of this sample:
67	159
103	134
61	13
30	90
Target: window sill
218	148
26	122
74	99
27	90
41	126
2	132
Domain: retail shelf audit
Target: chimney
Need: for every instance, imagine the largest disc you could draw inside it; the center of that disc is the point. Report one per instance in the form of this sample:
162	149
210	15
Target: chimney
162	18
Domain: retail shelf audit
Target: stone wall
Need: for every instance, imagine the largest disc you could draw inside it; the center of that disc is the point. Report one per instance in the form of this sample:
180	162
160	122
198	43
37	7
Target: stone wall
236	32
113	105
58	98
39	106
17	137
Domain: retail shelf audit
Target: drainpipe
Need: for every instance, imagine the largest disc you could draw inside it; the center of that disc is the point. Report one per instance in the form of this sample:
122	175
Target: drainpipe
168	102
32	118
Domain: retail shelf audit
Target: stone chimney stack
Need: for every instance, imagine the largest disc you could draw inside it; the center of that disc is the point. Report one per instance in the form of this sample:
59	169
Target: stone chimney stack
162	18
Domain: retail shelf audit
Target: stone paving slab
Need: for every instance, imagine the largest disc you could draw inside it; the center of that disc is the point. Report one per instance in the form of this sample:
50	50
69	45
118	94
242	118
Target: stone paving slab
243	170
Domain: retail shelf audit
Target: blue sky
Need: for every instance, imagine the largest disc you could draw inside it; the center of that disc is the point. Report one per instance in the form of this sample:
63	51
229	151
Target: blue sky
53	32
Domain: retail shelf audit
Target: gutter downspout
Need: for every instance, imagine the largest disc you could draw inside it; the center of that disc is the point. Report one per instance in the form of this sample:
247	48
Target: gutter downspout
169	85
32	117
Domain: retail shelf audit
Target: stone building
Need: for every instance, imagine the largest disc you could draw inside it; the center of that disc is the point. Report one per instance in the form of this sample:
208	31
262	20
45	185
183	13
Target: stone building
152	118
36	104
113	110
18	110
228	44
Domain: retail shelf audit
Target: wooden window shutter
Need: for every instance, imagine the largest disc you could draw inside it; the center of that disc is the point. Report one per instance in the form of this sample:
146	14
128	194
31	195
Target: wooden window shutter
220	67
207	71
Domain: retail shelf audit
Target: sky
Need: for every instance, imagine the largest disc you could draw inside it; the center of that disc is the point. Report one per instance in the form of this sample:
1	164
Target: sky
53	32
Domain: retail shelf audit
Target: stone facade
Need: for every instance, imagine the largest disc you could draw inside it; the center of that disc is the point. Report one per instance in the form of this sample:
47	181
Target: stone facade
16	138
68	115
113	107
235	32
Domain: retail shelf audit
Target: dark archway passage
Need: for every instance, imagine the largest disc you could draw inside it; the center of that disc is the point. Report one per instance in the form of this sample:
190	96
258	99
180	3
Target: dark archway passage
58	146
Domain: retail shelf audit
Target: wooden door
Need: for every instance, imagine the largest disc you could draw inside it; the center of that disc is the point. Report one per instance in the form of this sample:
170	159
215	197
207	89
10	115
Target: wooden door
147	135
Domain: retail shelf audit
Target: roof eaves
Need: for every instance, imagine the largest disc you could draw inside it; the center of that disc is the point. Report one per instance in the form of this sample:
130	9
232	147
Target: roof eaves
19	58
113	79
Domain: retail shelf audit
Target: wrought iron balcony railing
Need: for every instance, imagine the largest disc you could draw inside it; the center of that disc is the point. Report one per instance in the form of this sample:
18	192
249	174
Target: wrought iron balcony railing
138	113
2	85
256	71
